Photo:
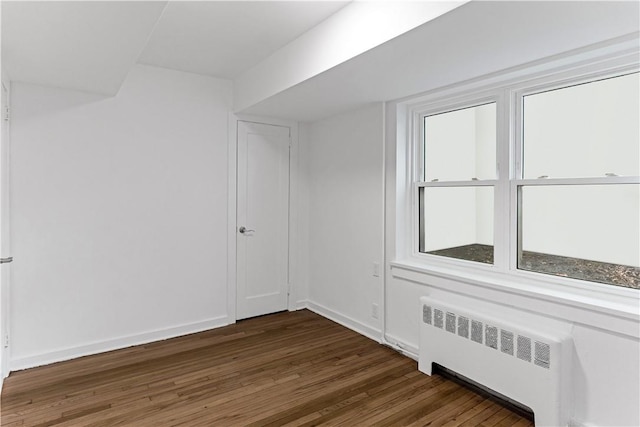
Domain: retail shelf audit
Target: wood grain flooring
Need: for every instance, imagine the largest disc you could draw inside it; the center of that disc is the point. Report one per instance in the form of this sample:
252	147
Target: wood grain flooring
294	369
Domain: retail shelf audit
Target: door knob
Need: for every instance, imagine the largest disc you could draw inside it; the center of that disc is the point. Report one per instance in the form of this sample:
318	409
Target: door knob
244	229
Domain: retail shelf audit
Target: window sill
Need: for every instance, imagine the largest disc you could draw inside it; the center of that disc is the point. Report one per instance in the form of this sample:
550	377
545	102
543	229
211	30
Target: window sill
592	304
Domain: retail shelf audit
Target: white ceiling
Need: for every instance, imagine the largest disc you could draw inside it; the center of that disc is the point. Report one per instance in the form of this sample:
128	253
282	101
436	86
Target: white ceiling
92	45
87	46
225	38
476	39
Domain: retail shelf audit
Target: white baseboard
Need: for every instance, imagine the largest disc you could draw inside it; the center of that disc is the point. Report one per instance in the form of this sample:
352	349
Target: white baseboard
407	349
574	423
346	321
301	305
115	344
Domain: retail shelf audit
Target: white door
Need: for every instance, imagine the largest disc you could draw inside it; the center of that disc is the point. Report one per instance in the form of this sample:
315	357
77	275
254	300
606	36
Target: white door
4	234
262	233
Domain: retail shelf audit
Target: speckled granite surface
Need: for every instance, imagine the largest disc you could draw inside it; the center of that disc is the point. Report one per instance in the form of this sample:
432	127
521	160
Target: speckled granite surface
594	271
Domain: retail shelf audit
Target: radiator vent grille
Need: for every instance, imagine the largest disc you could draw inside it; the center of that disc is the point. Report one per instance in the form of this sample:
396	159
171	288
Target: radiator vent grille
426	314
463	327
491	336
437	318
506	342
476	331
542	355
451	323
524	348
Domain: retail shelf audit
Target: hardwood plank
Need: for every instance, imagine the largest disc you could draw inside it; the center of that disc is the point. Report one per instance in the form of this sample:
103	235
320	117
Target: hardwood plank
295	369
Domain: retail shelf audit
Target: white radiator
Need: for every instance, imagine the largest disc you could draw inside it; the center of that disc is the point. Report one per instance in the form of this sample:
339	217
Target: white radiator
521	362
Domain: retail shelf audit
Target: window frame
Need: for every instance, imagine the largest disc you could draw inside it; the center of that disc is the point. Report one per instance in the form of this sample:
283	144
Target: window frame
508	95
472	101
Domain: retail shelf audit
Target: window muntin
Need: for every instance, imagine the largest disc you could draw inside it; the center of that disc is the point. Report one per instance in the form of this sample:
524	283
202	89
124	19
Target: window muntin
457	222
587	232
460	145
585	130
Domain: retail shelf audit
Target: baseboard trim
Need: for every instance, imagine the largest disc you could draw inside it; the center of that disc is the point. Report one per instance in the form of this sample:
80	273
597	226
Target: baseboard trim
115	344
574	423
301	305
346	321
407	349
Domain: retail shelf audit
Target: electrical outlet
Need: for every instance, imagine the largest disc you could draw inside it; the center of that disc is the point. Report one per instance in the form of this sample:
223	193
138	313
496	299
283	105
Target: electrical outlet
374	311
376	269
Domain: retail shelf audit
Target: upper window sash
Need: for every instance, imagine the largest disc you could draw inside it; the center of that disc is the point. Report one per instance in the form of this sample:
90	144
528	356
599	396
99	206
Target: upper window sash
444	106
553	83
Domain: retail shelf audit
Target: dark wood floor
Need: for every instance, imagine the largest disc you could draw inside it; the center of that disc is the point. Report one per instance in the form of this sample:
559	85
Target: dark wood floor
282	369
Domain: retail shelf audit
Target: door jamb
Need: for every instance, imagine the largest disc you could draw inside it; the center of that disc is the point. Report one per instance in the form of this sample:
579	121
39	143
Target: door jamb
232	190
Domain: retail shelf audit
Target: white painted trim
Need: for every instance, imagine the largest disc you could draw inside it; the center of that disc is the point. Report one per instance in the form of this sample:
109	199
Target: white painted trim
346	321
232	153
620	318
300	305
409	350
5	291
116	343
574	423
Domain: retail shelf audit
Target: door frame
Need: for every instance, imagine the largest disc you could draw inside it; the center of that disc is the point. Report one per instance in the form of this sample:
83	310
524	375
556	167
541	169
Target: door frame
5	205
232	155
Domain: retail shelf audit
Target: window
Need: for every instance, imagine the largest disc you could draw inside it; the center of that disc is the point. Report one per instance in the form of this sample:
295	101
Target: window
578	197
553	189
456	196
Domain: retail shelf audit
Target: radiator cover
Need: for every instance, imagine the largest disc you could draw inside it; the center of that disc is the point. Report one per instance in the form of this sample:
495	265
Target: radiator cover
526	363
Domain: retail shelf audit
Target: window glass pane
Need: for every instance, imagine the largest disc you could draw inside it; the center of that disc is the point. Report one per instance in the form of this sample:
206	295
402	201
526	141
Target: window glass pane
588	232
461	145
585	130
457	222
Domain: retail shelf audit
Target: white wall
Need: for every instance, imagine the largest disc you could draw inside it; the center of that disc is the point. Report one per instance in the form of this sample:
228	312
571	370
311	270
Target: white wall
343	156
119	214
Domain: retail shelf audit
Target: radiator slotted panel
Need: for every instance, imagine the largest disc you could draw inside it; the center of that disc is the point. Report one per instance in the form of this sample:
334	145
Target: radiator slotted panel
506	342
491	337
463	327
426	314
542	355
438	318
524	348
451	322
476	331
